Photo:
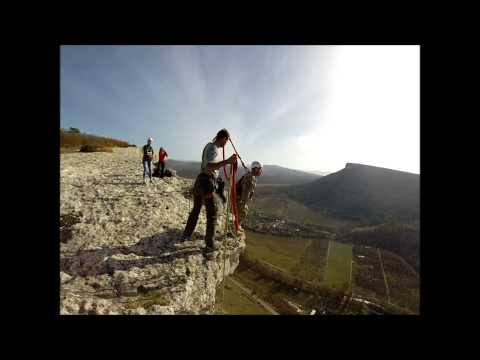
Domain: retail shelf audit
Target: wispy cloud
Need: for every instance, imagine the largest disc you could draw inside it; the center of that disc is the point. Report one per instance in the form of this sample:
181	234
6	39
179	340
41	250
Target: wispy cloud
269	97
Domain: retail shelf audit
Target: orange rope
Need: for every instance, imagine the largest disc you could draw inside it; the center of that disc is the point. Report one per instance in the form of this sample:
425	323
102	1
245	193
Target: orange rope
236	152
233	192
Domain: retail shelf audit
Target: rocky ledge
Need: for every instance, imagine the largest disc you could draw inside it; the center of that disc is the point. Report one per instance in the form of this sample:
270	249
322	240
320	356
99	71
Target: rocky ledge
120	250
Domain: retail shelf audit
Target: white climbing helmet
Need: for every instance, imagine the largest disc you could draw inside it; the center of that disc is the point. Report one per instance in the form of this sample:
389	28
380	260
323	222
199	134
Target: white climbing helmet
150	139
256	164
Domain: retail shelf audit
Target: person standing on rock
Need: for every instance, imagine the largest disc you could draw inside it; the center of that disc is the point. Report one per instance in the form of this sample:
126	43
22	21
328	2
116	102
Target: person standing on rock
147	158
204	189
246	189
162	154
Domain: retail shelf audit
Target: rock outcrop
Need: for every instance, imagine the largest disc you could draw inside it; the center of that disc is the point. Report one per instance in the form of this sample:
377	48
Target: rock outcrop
119	249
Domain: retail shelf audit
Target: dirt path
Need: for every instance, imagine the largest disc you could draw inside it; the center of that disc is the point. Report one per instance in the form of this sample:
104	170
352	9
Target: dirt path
409	267
328	252
384	276
351	271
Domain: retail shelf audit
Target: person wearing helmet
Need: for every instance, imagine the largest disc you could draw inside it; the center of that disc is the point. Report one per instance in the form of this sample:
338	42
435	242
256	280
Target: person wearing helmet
147	158
204	189
246	188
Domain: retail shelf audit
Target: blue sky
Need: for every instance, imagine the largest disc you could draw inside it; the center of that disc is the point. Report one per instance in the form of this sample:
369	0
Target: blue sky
302	107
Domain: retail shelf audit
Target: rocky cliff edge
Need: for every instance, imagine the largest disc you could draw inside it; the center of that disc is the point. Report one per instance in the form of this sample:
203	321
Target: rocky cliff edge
119	241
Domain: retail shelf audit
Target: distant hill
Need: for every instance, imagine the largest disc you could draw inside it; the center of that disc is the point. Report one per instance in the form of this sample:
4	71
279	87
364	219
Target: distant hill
321	173
186	169
362	191
272	174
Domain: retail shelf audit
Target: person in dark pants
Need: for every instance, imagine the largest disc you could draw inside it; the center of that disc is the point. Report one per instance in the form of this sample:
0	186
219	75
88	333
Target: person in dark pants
147	158
245	190
204	189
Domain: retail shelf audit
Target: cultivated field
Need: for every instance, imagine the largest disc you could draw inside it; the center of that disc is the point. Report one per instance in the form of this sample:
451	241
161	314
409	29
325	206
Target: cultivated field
280	206
312	263
403	284
339	264
280	251
234	301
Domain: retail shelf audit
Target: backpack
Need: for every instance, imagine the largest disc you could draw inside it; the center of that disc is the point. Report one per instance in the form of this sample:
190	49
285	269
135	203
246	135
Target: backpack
156	171
239	186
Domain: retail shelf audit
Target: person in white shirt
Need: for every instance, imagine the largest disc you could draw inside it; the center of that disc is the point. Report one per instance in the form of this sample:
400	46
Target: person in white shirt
204	189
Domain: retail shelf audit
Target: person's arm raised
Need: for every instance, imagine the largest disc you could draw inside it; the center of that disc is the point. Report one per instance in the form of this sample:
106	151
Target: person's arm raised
216	166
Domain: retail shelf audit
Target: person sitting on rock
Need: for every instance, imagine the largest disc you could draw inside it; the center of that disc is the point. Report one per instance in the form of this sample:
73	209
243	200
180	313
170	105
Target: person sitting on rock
245	190
162	154
204	189
147	157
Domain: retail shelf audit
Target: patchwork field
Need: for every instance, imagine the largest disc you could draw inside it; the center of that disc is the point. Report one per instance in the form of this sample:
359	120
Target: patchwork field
283	252
332	263
271	292
339	264
403	284
283	207
367	273
316	260
312	263
236	302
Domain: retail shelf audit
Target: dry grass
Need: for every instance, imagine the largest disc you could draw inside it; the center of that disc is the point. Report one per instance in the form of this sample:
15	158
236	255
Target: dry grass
69	150
69	140
94	148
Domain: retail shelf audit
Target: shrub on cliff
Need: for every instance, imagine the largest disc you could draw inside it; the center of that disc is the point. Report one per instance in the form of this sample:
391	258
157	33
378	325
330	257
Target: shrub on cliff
75	139
94	148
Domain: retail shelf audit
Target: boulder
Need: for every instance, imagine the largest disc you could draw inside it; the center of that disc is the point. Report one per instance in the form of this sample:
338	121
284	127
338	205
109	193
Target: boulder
64	277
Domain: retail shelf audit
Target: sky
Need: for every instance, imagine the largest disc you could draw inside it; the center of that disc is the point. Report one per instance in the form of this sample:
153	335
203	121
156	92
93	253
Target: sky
301	107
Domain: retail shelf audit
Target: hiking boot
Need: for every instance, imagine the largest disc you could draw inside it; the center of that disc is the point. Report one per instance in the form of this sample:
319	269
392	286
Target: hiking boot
217	244
209	252
183	240
186	245
186	241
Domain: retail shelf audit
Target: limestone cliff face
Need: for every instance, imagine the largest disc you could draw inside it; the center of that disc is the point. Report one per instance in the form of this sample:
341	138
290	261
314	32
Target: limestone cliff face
119	250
